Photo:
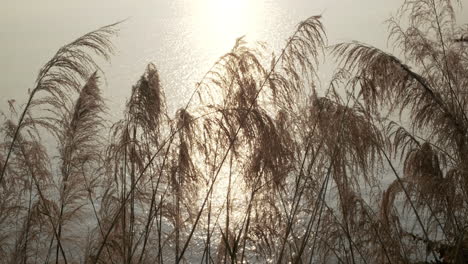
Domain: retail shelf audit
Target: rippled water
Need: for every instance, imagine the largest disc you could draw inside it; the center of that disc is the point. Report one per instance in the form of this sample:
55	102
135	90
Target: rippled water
182	37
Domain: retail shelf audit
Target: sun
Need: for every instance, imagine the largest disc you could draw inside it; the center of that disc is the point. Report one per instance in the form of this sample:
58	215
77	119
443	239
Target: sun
221	22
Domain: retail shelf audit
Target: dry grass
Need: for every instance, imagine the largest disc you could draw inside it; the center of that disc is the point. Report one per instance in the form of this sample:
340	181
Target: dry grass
259	166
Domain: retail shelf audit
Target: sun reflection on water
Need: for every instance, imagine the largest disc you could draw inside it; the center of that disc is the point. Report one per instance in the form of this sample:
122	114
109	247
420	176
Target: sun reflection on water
217	24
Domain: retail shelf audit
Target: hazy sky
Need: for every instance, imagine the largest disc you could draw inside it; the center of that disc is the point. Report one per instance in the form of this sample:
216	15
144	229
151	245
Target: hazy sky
182	37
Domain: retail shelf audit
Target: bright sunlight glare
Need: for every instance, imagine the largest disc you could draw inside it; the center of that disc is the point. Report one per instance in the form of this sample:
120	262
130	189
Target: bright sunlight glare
223	21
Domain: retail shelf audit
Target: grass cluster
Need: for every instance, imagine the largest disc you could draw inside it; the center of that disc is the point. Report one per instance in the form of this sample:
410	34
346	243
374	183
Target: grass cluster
260	166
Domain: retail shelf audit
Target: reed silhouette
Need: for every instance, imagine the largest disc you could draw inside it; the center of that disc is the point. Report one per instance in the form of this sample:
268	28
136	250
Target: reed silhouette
260	166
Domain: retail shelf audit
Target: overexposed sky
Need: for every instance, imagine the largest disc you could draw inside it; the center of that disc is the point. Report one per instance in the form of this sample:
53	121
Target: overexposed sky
182	37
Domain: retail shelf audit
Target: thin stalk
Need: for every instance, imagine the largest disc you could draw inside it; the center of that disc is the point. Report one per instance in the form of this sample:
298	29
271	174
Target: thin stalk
28	225
228	206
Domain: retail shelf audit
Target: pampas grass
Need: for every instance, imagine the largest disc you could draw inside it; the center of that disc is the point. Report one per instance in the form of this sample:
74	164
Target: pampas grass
259	166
